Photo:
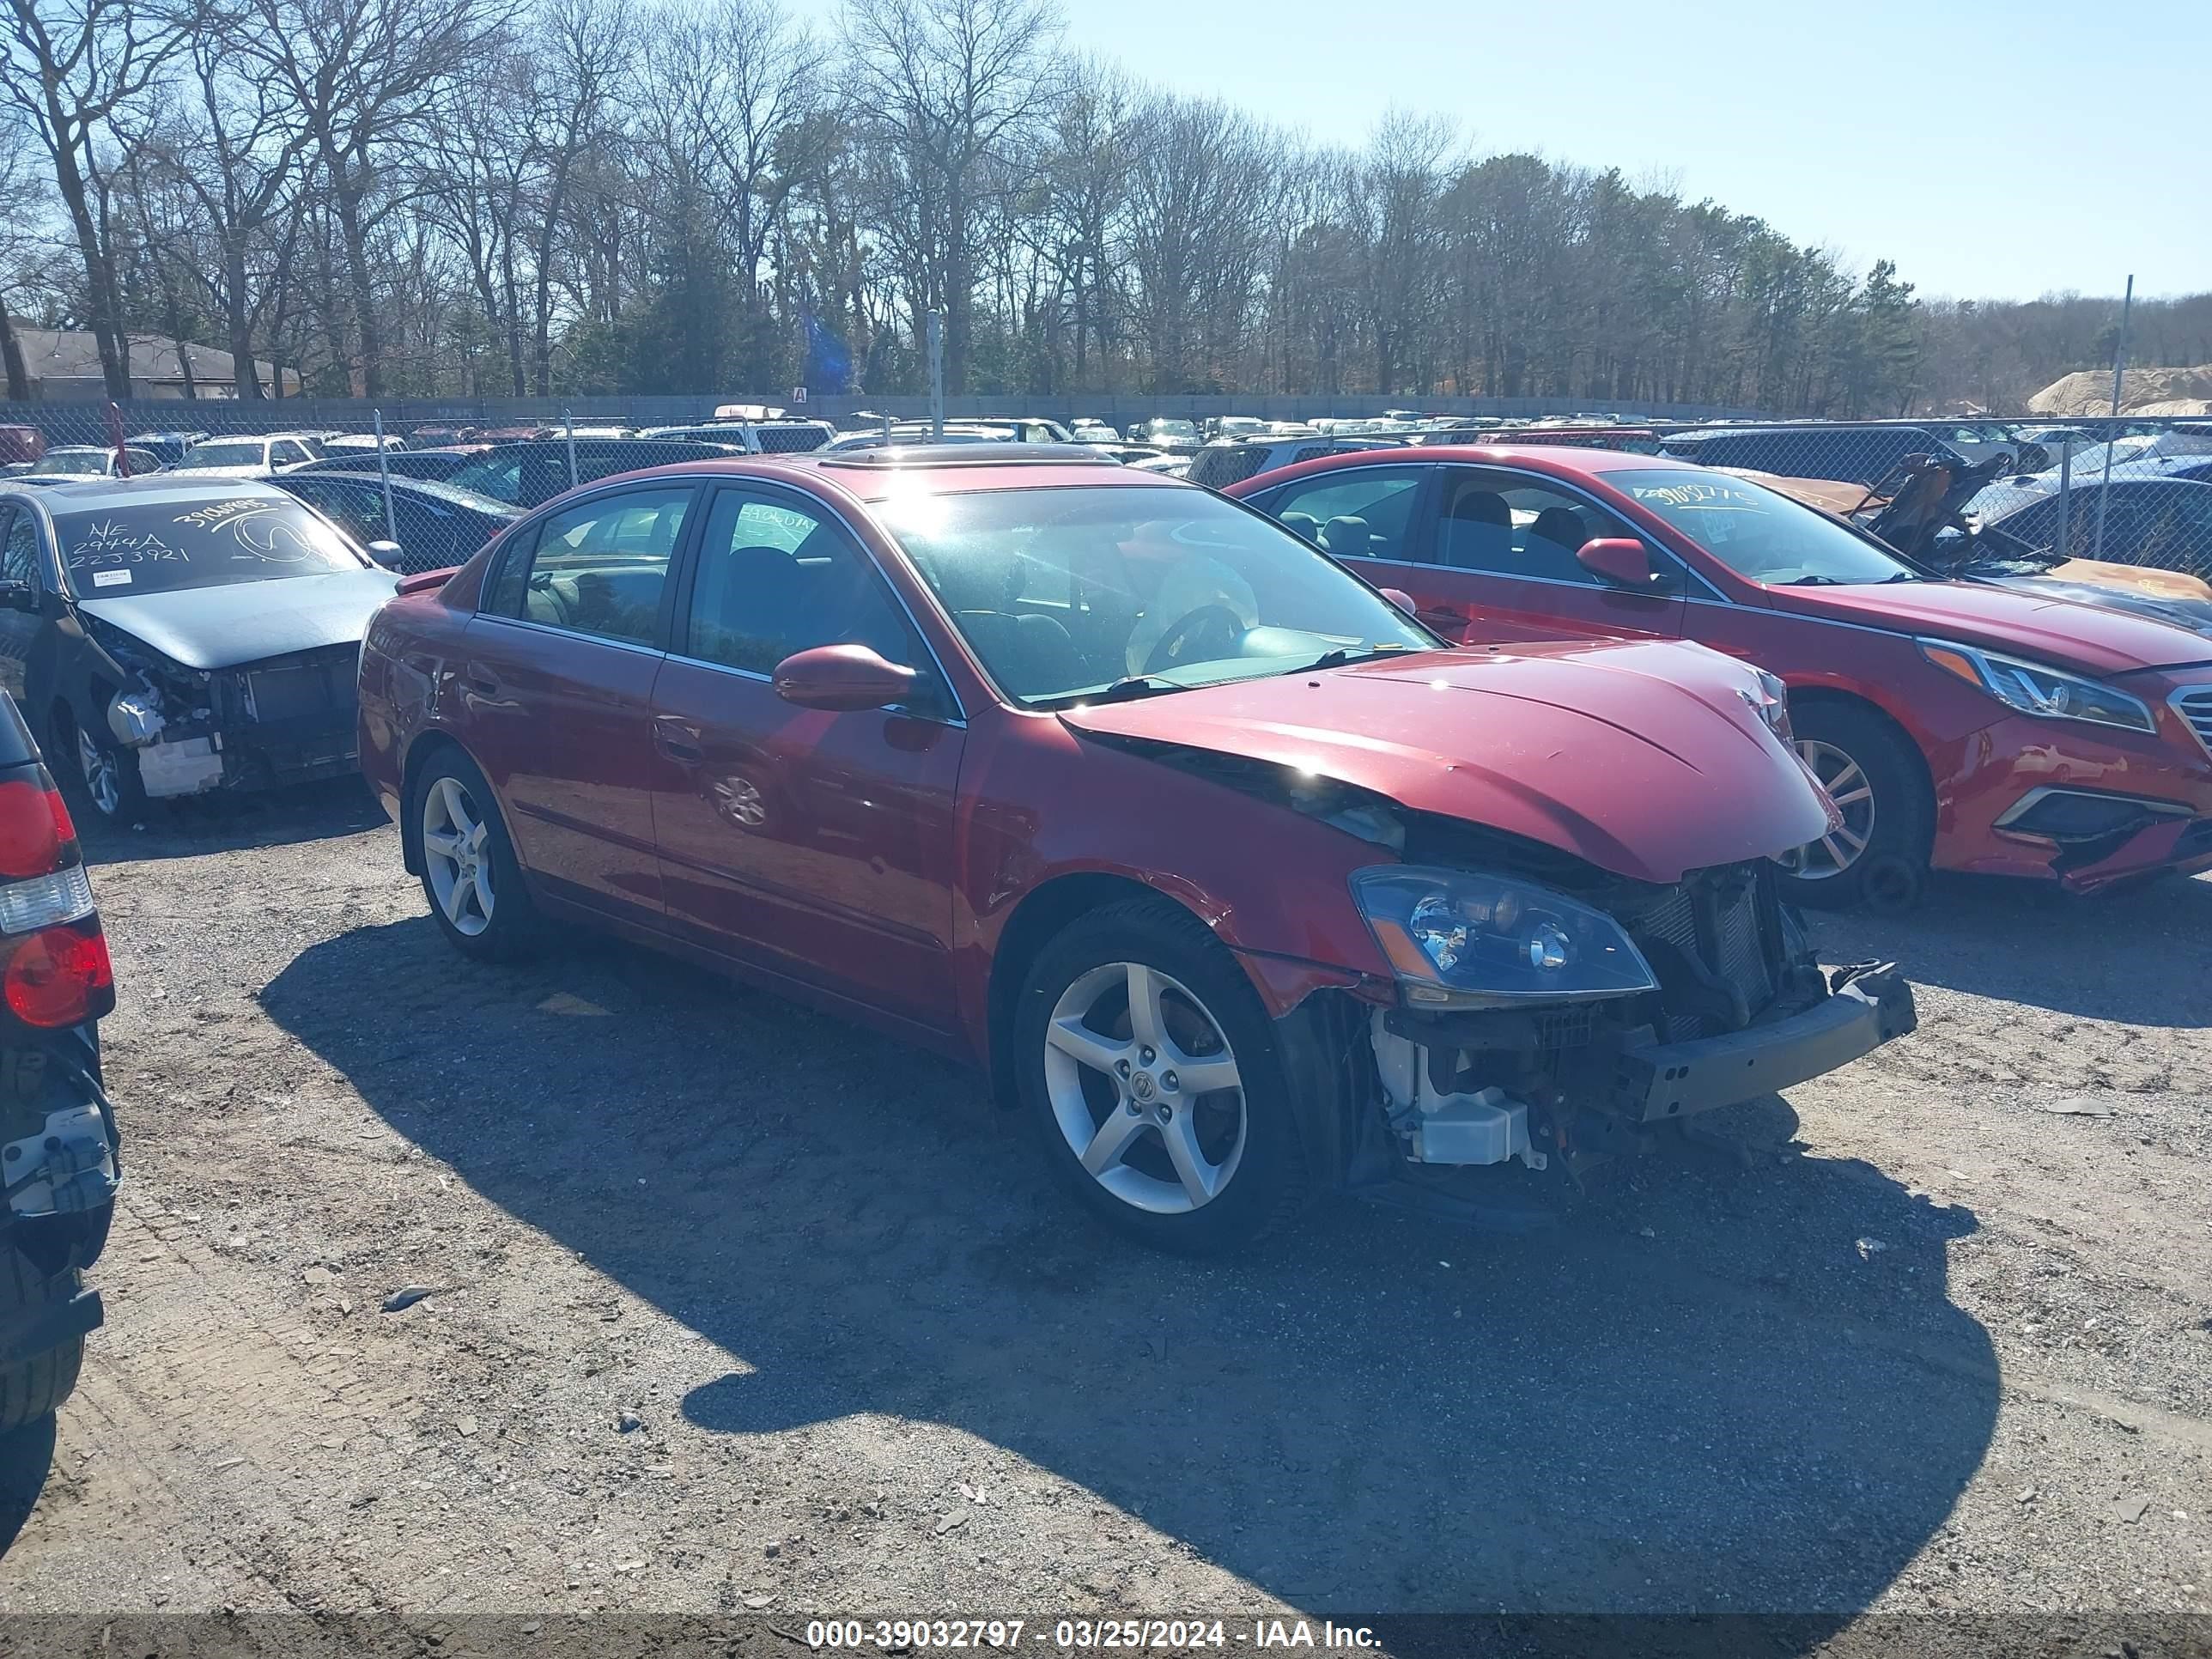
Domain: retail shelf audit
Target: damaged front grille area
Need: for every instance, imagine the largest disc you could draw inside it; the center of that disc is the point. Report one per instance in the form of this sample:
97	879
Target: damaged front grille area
311	685
1714	942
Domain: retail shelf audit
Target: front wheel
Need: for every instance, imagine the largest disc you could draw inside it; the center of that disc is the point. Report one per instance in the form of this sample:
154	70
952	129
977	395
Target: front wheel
470	874
1149	1069
1877	857
102	776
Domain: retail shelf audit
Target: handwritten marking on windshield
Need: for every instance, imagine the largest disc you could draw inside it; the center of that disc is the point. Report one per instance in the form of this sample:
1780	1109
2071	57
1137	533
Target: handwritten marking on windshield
1697	495
110	542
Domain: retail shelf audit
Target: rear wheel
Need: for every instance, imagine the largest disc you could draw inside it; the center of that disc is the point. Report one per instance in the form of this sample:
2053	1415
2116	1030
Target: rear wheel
1877	857
31	1388
470	874
1149	1069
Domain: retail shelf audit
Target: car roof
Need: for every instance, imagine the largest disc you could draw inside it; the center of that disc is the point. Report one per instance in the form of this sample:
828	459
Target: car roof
158	489
922	469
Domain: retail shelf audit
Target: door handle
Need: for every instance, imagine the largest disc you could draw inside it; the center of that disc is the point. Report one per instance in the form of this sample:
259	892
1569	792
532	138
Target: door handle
678	740
481	679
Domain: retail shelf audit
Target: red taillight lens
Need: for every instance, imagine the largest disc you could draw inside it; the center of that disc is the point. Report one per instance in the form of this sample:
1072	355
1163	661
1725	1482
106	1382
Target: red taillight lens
60	977
34	826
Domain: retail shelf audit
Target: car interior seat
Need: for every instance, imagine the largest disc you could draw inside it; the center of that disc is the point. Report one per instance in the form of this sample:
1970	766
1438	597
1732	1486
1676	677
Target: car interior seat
1302	524
1029	655
1348	538
1553	539
1478	534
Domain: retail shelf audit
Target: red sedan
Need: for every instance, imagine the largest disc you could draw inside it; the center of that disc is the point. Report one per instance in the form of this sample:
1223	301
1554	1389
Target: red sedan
1237	883
1960	725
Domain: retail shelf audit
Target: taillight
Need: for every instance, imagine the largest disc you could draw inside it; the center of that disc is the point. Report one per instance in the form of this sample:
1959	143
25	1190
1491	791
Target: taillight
54	970
36	835
60	977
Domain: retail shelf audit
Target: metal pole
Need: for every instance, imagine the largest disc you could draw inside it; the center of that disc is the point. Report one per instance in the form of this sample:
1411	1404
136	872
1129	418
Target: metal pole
933	330
383	476
568	421
115	437
2112	436
2065	498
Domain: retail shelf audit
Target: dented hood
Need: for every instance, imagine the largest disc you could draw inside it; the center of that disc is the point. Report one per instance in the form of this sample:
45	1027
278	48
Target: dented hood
1645	758
235	623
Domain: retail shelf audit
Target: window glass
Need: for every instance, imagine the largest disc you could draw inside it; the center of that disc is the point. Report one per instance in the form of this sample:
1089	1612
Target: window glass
359	510
1509	524
599	568
1761	535
19	546
774	579
498	475
1362	513
1070	592
234	452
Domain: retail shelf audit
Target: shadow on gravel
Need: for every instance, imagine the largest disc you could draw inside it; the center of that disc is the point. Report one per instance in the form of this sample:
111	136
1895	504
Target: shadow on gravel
2143	955
1724	1389
228	822
27	1454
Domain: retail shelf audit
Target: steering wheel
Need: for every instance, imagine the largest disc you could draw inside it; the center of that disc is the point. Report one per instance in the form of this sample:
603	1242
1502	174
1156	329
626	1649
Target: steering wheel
1206	625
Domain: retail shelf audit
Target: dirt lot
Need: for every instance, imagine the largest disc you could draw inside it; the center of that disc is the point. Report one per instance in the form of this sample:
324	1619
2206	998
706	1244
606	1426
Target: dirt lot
737	1309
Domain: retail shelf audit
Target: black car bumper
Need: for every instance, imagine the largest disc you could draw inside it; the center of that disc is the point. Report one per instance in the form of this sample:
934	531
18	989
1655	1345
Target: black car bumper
1654	1082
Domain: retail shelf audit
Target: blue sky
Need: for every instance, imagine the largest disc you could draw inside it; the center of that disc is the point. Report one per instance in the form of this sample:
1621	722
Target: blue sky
1993	150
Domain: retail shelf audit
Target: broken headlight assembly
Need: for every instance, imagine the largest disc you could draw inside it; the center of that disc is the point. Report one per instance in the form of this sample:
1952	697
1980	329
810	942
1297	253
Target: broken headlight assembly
1460	939
166	692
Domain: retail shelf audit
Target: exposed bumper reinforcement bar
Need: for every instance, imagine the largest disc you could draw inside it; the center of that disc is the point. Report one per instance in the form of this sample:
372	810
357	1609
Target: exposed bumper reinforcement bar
1654	1082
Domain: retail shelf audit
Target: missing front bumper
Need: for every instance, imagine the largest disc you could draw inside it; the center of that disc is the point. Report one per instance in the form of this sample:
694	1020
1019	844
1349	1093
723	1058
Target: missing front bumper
1655	1082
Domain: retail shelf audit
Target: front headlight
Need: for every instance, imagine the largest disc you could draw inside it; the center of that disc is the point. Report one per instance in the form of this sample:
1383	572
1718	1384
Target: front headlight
2032	688
1457	937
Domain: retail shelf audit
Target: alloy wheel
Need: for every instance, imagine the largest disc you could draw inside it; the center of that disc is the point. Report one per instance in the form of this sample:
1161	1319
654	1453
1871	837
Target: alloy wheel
1145	1088
1849	787
103	775
456	853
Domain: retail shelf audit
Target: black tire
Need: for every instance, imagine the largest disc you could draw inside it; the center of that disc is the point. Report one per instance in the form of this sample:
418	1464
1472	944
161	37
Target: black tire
33	1388
69	763
1271	1179
512	929
1888	876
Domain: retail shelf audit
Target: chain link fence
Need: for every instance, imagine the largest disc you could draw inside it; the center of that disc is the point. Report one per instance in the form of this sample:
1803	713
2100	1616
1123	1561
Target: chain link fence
1969	496
421	494
1982	496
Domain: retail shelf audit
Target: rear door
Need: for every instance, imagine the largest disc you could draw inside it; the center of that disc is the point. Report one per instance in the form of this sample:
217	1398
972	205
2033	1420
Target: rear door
814	843
556	690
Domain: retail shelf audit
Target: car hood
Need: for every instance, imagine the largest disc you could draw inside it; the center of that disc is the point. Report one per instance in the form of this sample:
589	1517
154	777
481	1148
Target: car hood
245	622
2114	587
2089	638
1644	758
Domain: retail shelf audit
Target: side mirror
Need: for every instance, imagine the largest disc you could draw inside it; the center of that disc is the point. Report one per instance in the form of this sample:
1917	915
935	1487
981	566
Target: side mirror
1617	560
1401	598
387	554
18	596
844	677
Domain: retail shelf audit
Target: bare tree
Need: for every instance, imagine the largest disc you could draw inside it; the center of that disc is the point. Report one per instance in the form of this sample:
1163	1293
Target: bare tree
361	74
943	87
71	67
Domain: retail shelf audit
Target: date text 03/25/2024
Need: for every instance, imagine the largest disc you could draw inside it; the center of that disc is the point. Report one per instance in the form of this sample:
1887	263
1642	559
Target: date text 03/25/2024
1161	1635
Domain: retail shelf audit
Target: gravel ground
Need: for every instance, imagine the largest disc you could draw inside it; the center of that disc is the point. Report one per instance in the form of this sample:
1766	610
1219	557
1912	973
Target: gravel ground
735	1309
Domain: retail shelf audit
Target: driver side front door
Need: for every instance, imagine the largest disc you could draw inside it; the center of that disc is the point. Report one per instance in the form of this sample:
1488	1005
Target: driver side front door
814	844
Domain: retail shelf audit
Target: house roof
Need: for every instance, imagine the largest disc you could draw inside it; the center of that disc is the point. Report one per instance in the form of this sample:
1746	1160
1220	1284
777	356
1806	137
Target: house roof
52	354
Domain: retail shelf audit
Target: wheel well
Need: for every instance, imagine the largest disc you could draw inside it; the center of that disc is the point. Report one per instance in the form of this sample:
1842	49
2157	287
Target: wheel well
1824	696
419	755
1042	913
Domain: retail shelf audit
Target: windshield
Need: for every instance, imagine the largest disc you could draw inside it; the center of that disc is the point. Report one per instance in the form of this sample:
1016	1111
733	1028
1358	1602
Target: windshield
146	547
1067	592
1761	536
67	462
1166	429
246	452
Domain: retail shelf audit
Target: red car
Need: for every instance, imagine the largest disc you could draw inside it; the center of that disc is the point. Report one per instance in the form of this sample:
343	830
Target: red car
1237	881
1960	725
